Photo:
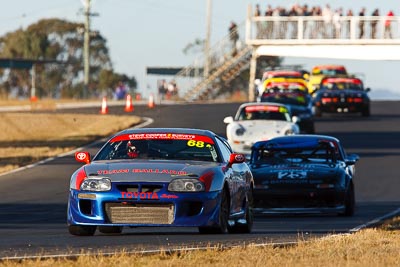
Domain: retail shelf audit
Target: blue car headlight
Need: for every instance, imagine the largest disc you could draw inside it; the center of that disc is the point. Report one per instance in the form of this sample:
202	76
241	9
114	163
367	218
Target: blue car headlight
97	184
186	185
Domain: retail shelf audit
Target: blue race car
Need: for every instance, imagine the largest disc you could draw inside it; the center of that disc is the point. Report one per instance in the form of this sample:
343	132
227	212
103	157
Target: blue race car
161	177
298	101
341	95
303	174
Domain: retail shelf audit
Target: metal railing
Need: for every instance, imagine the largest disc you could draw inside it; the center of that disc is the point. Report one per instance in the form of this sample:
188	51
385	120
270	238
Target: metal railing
316	30
222	51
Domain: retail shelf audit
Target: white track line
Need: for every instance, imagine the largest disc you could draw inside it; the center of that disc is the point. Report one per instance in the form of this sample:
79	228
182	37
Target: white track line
375	221
150	251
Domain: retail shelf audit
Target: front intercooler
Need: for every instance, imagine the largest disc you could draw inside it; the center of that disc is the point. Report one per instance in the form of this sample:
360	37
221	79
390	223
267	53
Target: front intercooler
140	213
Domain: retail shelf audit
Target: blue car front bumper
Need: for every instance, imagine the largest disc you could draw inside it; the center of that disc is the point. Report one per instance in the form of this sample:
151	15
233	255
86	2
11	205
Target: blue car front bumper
162	208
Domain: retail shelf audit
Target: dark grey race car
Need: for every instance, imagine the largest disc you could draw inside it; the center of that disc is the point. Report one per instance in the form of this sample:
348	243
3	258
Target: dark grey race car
303	174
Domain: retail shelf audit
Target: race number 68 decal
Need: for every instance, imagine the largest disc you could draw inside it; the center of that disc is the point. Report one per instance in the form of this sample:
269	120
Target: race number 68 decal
292	175
195	143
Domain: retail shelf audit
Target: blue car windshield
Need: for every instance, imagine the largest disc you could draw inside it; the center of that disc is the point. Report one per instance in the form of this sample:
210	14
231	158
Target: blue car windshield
323	153
287	98
158	149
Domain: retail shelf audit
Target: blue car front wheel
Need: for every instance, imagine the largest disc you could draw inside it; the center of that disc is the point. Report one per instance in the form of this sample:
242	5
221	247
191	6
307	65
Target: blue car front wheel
224	209
81	230
110	229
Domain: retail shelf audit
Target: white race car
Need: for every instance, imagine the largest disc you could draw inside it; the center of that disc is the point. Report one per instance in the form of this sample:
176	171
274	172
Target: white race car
257	122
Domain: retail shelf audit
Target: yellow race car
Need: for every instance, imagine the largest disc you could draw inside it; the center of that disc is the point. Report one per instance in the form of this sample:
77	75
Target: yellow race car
321	71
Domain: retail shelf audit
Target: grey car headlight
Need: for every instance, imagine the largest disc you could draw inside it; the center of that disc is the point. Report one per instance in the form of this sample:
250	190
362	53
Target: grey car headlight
304	115
186	185
97	184
289	132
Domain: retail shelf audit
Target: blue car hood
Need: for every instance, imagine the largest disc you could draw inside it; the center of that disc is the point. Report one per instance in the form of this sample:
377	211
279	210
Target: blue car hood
149	171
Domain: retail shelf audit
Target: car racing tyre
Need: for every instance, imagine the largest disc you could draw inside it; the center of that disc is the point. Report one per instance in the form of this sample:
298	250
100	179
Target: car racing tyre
317	112
366	112
110	229
350	203
245	228
222	227
81	230
311	129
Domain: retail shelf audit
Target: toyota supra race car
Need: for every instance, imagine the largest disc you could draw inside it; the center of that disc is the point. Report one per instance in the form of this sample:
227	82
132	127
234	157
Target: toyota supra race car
303	174
161	177
259	121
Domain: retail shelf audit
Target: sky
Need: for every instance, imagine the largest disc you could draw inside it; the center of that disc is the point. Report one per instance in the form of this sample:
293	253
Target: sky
150	33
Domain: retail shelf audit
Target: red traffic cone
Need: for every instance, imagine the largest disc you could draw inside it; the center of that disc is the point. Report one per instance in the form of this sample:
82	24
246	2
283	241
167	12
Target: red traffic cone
129	105
104	107
151	101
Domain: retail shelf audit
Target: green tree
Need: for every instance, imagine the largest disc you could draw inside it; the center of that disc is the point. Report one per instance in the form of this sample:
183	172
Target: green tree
61	41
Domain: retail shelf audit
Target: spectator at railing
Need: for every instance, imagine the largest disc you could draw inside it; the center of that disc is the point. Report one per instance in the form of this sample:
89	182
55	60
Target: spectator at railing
327	17
257	13
293	24
337	23
234	37
349	14
323	23
269	25
388	21
361	23
318	24
305	12
283	25
374	22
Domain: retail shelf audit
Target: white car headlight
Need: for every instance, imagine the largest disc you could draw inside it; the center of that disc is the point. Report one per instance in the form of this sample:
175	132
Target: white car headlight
186	185
96	184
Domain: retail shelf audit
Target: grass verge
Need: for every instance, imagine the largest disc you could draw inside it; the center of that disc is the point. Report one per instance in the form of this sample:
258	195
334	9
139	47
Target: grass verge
370	247
29	137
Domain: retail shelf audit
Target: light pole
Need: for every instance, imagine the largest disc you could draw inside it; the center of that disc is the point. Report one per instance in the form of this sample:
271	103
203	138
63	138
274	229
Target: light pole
207	41
86	52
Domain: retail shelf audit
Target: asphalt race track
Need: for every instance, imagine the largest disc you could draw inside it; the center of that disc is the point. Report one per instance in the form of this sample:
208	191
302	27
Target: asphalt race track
33	201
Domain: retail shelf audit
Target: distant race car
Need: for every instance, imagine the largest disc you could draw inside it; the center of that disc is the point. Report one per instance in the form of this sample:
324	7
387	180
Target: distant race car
341	95
259	121
281	74
321	71
285	83
297	100
303	174
272	76
161	177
